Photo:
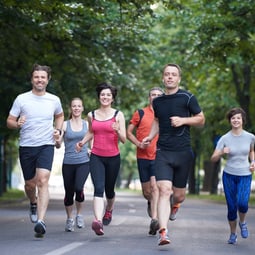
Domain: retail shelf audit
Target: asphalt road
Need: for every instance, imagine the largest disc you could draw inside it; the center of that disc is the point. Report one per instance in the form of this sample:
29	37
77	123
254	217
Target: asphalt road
200	228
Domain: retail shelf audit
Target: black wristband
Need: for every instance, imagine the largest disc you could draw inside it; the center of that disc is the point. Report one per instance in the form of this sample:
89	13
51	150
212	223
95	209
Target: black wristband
60	131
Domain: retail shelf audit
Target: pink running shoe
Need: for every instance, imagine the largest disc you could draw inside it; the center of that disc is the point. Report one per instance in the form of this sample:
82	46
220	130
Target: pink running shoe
97	226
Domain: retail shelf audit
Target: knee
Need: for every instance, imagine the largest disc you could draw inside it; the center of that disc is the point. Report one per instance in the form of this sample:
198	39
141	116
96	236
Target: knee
68	201
179	198
232	216
30	185
79	197
109	194
147	194
164	190
154	188
243	208
42	180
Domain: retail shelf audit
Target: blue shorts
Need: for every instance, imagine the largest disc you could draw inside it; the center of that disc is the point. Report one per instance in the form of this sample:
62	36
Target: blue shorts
174	166
146	169
35	157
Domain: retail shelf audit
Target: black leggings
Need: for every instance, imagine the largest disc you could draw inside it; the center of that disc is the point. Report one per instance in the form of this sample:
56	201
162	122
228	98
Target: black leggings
104	172
74	177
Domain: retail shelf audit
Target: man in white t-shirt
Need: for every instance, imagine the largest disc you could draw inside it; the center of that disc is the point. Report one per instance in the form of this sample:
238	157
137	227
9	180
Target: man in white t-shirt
34	113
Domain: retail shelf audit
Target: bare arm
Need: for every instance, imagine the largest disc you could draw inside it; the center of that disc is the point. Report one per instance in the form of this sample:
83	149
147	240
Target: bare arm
59	119
88	136
217	154
251	156
131	137
197	120
59	138
153	132
120	127
13	122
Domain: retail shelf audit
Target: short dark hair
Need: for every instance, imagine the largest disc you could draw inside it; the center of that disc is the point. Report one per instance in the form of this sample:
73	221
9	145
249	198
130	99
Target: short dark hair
104	85
37	67
175	65
234	111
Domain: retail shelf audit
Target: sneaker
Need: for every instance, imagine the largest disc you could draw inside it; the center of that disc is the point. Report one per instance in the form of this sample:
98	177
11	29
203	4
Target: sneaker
163	237
149	208
40	228
174	209
244	229
69	225
33	213
232	239
97	226
154	227
79	221
107	217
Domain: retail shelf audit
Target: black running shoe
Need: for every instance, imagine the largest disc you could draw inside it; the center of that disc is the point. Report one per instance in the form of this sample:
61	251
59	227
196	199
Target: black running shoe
40	228
154	227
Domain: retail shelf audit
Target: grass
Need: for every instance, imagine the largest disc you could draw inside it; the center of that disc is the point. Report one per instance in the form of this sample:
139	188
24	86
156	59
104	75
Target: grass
220	198
12	195
15	194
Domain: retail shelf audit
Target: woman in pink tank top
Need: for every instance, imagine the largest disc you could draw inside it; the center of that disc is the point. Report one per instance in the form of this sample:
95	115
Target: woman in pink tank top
106	129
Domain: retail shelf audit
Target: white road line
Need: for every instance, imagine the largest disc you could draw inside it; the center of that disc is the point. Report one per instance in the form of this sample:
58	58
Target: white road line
65	249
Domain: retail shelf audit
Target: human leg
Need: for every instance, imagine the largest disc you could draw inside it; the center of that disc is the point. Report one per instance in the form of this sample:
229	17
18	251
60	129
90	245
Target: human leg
154	225
165	189
27	160
30	190
154	197
43	169
42	177
164	177
82	172
181	169
98	179
68	173
112	166
243	196
177	197
69	227
145	171
230	191
146	190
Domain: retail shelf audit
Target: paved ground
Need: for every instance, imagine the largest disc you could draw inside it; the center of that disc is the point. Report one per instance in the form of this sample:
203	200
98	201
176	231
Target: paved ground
201	228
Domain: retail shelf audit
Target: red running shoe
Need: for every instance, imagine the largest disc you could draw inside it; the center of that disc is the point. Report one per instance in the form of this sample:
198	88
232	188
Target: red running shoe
97	226
107	217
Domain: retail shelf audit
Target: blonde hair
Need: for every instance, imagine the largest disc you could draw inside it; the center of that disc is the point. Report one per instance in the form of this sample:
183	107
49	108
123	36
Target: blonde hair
75	98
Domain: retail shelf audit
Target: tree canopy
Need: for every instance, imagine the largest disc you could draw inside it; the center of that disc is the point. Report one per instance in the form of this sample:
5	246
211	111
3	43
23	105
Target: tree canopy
127	43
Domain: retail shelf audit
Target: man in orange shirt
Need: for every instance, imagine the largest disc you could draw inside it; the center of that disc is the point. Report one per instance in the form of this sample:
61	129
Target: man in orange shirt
141	123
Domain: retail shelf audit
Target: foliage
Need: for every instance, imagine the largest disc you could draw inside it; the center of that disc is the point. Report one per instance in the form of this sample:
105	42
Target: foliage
127	43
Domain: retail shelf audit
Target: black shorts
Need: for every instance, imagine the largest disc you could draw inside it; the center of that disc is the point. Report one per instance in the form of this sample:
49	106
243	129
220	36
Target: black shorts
146	169
174	166
35	157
